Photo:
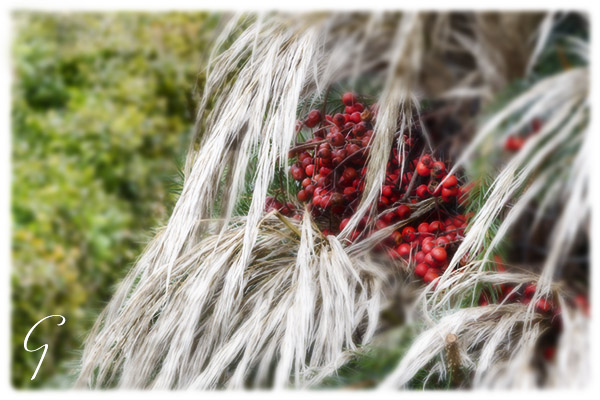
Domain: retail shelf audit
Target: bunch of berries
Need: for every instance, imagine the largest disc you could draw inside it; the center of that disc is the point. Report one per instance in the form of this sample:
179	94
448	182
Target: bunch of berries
546	306
330	168
506	293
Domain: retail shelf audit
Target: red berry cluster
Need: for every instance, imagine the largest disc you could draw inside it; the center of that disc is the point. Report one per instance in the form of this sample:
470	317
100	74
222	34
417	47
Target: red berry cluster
330	167
505	292
545	306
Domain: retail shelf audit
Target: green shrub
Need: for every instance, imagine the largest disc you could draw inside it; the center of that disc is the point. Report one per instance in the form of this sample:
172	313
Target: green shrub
102	109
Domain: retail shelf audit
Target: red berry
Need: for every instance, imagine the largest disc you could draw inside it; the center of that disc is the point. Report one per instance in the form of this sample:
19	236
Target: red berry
349	173
310	189
324	152
349	190
358	107
403	211
341	153
403	250
309	169
303	196
336	139
271	203
297	173
324	171
426	160
306	182
408	234
431	275
387	190
285	210
419	257
389	217
543	305
313	118
450	181
422	191
427	247
303	155
436	226
355	117
339	119
439	254
392	178
423	227
441	241
459	220
449	192
422	169
438	168
428	239
450	229
514	143
306	161
530	290
334	128
348	99
352	148
396	237
359	129
421	269
429	260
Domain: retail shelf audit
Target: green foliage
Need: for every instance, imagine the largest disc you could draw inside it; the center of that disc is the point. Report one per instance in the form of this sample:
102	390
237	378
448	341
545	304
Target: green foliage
373	363
102	108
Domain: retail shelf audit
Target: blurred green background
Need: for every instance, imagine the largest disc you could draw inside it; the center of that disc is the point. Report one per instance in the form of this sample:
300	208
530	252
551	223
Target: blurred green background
102	109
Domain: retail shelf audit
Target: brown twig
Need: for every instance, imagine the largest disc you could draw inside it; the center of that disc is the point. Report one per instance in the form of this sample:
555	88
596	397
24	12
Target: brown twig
453	357
306	145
